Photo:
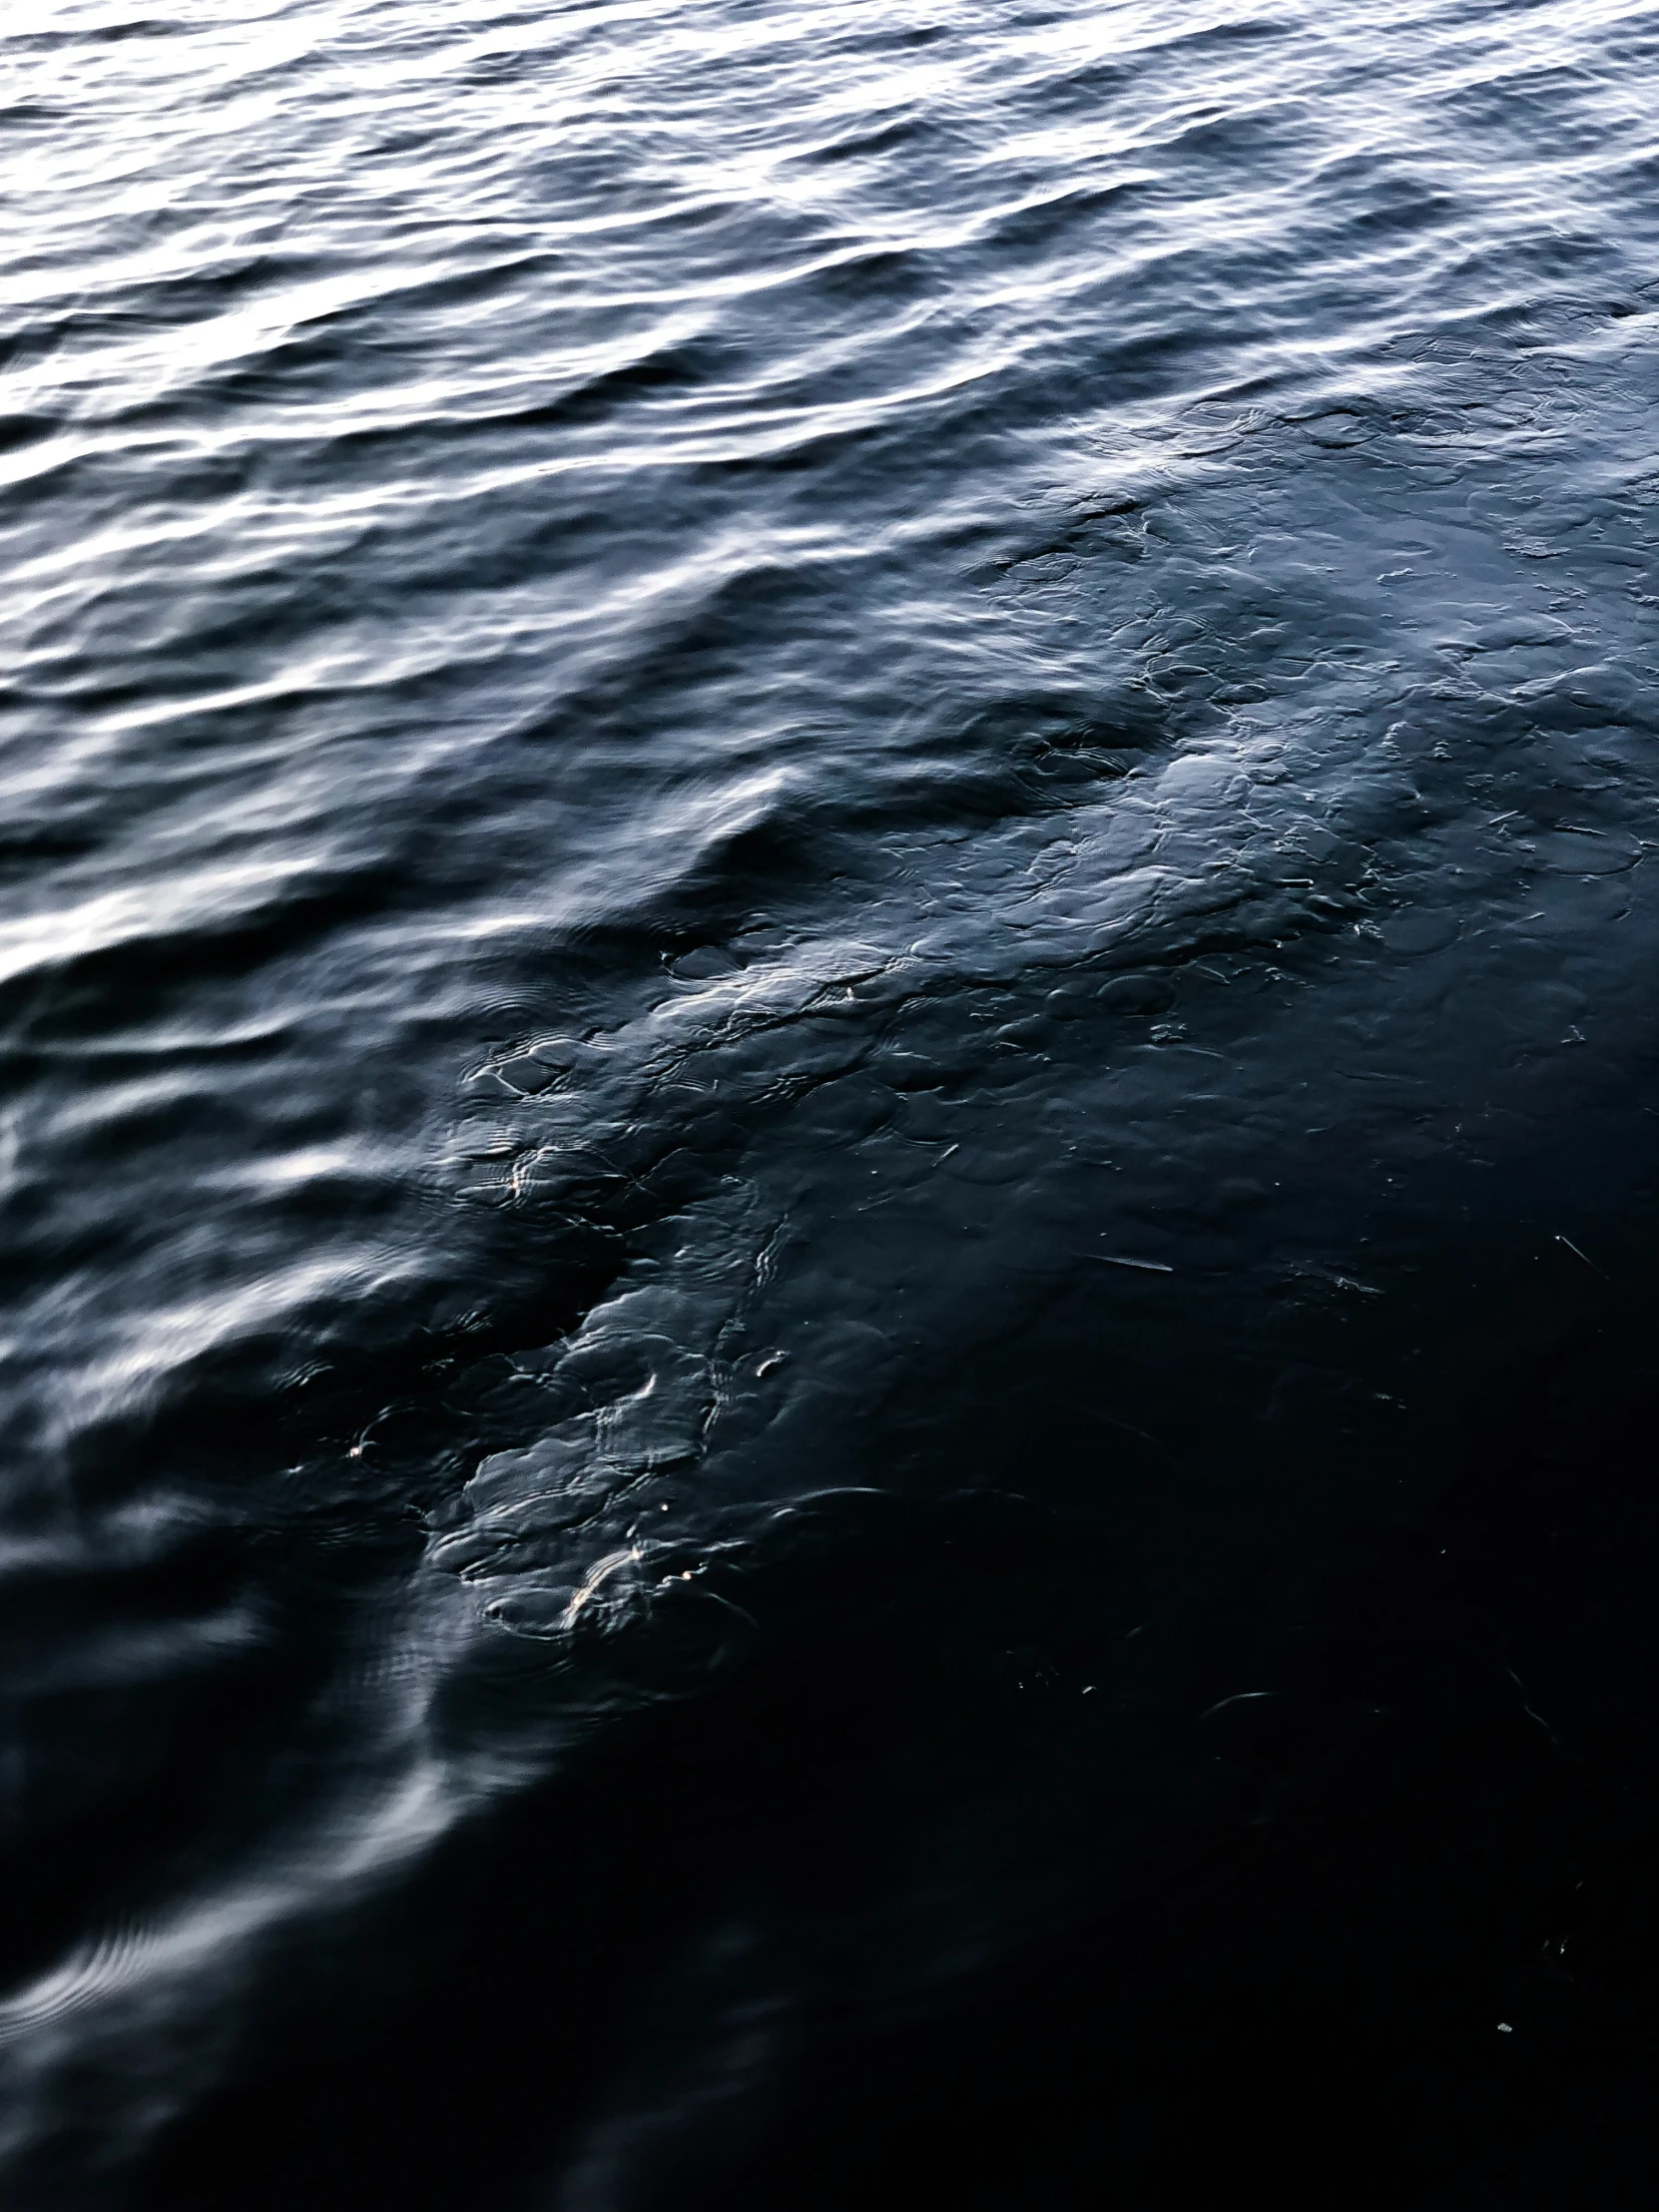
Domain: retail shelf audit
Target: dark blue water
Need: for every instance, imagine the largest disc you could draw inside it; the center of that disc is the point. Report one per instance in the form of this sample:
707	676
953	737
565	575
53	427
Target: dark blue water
829	1118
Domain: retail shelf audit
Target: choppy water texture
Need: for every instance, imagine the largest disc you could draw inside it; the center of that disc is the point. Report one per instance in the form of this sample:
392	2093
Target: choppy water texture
829	1125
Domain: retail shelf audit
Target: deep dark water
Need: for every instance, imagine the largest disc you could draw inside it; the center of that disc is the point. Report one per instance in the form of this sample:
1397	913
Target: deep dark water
828	1148
1192	1946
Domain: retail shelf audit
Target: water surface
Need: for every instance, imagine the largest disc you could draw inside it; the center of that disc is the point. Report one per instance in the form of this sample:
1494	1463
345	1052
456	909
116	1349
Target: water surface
831	1080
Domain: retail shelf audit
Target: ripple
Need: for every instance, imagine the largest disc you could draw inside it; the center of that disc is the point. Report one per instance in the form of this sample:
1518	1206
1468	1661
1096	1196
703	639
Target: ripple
709	715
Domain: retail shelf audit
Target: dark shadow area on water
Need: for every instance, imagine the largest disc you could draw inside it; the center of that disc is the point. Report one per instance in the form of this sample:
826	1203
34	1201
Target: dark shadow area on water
1052	1852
